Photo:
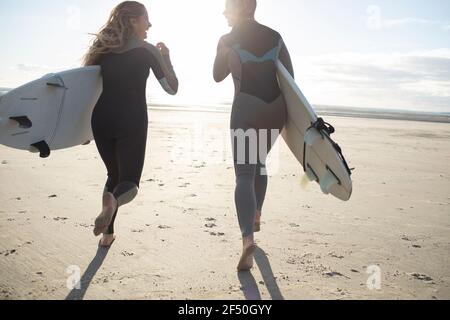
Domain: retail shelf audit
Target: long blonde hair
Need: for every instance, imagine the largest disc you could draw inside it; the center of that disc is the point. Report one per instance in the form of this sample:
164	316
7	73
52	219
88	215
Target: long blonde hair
115	32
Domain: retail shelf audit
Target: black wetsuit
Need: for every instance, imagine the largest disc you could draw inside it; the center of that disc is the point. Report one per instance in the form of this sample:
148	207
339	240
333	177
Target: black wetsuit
120	121
250	53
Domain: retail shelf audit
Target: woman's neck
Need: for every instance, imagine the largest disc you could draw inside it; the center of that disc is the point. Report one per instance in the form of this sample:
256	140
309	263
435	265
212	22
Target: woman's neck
243	21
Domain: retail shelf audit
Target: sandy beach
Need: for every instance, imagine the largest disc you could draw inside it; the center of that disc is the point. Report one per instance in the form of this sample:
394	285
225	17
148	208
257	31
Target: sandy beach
180	238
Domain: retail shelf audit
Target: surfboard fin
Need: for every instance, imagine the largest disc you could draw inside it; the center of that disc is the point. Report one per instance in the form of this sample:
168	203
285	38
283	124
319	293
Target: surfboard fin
56	82
311	174
43	148
23	122
328	181
311	136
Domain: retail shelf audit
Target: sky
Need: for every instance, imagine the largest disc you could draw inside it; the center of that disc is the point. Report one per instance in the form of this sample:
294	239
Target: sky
389	54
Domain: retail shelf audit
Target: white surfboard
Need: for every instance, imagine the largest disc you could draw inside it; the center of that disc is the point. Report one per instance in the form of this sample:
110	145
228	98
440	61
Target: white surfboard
308	137
51	113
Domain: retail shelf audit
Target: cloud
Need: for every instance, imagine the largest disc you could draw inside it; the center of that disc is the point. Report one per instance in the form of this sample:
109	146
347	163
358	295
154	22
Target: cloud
22	73
400	22
31	68
376	21
418	80
39	70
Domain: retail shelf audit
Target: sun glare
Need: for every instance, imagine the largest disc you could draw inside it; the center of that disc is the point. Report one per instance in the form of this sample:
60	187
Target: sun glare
191	29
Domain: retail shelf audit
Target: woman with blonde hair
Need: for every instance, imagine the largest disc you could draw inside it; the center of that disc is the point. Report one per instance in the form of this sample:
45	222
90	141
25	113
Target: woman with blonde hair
119	119
250	53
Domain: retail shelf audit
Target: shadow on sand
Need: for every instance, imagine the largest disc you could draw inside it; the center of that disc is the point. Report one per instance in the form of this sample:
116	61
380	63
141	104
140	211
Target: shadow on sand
96	263
248	282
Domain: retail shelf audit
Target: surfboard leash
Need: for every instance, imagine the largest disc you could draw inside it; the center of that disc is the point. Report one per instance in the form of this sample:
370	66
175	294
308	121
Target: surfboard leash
324	127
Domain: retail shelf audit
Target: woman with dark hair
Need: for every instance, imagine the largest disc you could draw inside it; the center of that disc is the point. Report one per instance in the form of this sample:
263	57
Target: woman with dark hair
120	120
250	53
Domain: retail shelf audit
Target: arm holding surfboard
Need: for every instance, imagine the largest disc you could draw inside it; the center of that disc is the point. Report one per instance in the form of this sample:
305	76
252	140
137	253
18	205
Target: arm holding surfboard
285	58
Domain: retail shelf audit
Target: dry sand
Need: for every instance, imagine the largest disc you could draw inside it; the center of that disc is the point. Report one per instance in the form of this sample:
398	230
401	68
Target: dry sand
180	238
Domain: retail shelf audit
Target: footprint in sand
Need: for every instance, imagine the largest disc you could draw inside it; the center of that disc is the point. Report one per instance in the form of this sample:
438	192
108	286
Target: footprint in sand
341	292
218	234
335	274
163	227
84	225
334	255
291	260
210	225
127	254
60	219
8	252
422	277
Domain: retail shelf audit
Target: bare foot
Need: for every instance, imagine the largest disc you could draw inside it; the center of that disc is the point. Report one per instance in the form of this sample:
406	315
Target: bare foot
107	240
246	262
257	226
104	219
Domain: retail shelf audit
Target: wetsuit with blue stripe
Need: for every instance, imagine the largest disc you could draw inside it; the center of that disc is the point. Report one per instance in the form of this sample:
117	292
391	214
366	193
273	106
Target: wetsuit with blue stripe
250	53
120	120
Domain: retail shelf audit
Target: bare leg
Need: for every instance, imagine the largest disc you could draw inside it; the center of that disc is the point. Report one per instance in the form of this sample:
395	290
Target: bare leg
249	247
103	221
257	227
107	240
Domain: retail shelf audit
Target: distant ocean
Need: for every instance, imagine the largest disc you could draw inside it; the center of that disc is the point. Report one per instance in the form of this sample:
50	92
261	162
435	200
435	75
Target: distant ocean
3	91
323	111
